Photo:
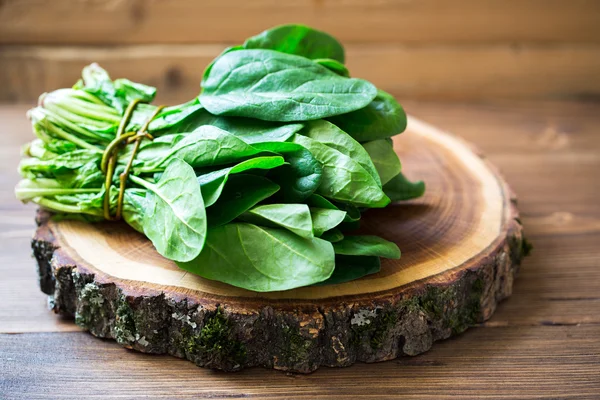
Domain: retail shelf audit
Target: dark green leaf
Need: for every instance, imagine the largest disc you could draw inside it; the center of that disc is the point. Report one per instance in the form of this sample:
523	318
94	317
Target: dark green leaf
248	129
352	212
175	220
367	245
300	40
343	178
327	133
273	86
334	66
262	259
212	183
295	218
385	159
382	118
241	193
324	219
400	188
334	235
205	147
302	174
349	268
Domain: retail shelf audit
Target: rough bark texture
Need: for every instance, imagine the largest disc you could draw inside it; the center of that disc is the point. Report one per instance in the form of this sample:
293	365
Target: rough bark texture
298	338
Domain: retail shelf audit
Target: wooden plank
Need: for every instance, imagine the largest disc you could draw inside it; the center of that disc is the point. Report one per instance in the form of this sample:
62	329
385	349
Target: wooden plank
501	363
513	126
390	21
425	72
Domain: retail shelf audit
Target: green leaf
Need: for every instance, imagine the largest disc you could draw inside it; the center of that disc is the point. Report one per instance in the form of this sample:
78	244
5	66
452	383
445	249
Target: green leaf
173	119
135	204
352	212
205	147
273	86
367	245
294	217
400	188
349	268
324	219
175	220
327	133
334	66
382	118
62	163
343	178
334	235
300	177
248	129
213	182
28	189
117	94
385	159
300	40
241	193
262	259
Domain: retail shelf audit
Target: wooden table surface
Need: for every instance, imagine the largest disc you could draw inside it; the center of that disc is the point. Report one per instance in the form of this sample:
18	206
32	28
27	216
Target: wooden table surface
543	342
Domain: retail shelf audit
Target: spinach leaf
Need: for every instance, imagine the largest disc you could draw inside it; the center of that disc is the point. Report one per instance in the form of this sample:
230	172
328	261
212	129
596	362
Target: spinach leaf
60	164
299	40
367	245
212	183
327	133
117	94
324	219
334	235
334	66
300	177
262	259
294	217
400	188
207	146
175	220
173	119
382	118
352	212
249	130
273	86
349	268
385	159
343	178
241	193
316	200
135	204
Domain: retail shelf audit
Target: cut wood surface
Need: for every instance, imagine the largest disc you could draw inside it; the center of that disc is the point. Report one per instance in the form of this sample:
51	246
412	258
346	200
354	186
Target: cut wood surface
389	21
541	343
462	245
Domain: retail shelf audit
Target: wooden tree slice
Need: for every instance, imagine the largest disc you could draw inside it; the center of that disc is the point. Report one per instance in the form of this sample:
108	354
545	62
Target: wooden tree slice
461	246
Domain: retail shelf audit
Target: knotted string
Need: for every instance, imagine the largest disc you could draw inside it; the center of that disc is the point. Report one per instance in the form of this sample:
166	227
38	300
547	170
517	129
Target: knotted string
110	156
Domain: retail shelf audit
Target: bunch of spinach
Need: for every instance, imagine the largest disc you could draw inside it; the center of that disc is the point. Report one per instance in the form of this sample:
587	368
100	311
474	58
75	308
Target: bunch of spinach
255	183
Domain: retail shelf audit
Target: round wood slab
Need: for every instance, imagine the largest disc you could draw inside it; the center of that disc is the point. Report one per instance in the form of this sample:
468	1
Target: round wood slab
461	245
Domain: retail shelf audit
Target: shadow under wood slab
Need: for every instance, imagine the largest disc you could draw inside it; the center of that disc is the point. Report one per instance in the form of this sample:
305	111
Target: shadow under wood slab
461	243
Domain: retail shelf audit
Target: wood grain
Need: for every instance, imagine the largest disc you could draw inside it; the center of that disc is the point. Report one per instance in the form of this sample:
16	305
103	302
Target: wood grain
542	343
389	21
436	232
425	72
541	362
462	245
